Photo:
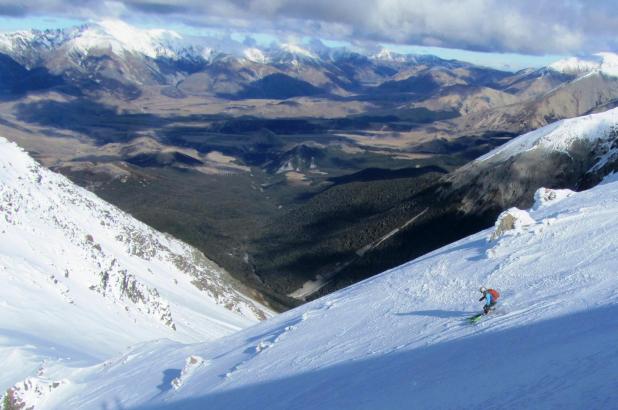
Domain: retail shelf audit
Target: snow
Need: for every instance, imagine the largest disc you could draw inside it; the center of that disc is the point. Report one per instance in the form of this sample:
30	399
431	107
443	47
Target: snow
255	55
561	135
121	37
512	221
8	40
290	53
606	63
82	281
286	167
401	339
297	50
545	196
36	47
387	55
575	65
114	35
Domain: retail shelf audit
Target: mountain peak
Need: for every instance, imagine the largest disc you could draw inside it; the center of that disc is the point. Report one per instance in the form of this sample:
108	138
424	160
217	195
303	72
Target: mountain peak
297	50
121	37
560	136
388	55
255	55
605	63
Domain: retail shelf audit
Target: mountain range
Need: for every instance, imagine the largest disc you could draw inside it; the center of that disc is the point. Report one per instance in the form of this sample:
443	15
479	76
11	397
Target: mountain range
113	56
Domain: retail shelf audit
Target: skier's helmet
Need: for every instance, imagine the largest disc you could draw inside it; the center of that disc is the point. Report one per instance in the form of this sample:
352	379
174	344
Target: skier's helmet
482	289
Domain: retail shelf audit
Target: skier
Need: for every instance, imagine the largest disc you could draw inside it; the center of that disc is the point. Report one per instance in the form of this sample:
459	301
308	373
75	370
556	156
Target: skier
491	298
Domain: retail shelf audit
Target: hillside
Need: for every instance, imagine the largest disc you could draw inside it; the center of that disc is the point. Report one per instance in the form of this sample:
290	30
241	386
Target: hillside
401	339
248	152
352	243
81	280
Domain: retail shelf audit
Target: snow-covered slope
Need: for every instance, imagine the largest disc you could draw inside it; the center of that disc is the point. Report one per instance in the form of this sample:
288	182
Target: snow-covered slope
606	63
121	38
387	55
596	130
81	280
401	340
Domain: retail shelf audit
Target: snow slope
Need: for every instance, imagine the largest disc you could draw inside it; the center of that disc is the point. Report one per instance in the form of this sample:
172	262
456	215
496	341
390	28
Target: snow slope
81	280
595	129
605	63
400	340
122	37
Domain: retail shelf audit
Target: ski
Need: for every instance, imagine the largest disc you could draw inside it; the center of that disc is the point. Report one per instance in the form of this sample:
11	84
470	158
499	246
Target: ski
476	318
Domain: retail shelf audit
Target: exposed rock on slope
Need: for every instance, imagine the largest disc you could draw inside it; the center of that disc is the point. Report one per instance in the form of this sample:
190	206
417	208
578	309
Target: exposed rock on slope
513	219
86	280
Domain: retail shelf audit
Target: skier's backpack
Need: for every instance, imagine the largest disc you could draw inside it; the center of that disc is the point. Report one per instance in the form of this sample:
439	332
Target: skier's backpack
494	294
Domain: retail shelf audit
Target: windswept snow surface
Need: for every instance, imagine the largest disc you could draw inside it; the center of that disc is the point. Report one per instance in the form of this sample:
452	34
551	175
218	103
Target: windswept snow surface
401	340
81	280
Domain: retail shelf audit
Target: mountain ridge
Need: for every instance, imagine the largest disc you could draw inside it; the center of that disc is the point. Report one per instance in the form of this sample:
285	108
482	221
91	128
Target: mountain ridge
88	280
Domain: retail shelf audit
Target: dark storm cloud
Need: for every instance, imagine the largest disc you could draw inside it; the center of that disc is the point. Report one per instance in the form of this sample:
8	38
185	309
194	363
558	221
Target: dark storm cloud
157	8
526	26
12	10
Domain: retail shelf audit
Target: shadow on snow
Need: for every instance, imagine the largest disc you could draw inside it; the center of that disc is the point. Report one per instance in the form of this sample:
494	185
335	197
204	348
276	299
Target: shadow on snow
567	362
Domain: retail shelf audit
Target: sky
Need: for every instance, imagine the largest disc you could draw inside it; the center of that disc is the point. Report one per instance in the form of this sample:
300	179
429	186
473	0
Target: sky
498	33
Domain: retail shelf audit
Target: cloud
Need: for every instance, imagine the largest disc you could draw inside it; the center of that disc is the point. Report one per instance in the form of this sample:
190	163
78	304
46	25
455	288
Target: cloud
151	7
12	10
524	26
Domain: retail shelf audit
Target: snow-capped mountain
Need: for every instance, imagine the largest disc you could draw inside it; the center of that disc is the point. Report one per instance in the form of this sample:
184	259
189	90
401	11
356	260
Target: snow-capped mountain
592	139
285	53
107	35
109	55
402	339
575	153
81	280
387	55
605	63
296	52
117	37
255	55
114	56
121	38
